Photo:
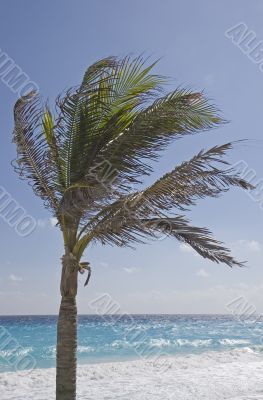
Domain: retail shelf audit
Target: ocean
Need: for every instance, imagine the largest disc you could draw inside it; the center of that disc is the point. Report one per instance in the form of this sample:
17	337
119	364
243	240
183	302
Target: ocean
122	338
186	356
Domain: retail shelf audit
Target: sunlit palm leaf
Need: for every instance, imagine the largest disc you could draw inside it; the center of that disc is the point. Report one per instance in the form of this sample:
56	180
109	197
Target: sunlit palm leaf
32	161
198	178
126	229
102	107
84	159
54	150
177	114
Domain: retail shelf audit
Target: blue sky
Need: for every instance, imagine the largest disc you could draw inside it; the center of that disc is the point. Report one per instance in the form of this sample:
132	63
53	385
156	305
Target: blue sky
53	42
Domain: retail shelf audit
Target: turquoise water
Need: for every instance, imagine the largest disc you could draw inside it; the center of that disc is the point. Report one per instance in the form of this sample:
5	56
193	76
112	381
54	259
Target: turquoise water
117	338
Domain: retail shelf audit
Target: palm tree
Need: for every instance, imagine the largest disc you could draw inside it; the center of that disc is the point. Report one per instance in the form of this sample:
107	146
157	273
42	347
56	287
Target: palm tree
86	159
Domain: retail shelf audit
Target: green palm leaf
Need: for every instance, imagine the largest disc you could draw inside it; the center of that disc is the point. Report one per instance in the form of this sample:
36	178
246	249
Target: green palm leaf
195	179
84	158
179	113
32	161
103	106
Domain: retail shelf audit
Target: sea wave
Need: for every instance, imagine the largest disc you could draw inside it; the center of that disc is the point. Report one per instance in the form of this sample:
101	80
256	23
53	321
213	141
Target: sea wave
160	342
49	352
234	374
85	349
233	342
194	343
20	352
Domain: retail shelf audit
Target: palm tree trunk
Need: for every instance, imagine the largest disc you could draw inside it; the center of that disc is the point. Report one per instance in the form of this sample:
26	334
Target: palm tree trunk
67	331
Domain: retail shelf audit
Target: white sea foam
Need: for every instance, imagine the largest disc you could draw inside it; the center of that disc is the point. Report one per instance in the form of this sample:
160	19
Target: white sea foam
85	349
50	352
233	375
17	352
119	344
194	343
233	342
160	342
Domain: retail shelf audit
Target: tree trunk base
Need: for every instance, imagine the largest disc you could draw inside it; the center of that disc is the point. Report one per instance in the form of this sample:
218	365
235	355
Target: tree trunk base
67	350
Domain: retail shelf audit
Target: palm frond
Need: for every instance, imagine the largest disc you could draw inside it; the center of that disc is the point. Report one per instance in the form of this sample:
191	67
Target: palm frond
84	160
121	222
197	178
102	107
32	161
79	111
48	126
200	239
125	228
179	113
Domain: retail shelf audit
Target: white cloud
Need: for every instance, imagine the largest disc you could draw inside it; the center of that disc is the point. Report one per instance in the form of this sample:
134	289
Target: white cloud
203	273
53	221
131	270
41	223
215	299
15	278
104	264
46	222
185	248
252	245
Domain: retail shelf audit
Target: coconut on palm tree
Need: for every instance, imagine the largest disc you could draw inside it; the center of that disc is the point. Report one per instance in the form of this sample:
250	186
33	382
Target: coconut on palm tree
86	160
